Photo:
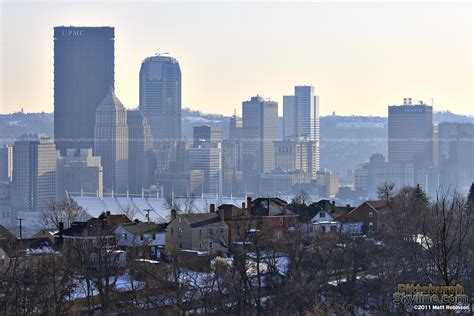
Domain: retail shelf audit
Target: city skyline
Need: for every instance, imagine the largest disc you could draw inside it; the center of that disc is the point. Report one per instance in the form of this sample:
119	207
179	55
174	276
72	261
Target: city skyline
212	75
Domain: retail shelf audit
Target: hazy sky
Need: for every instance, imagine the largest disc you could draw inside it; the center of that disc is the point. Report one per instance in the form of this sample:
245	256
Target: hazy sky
360	57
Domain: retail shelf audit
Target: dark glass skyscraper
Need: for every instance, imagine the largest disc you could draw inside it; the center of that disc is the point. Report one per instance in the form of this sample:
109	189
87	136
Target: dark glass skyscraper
83	74
160	96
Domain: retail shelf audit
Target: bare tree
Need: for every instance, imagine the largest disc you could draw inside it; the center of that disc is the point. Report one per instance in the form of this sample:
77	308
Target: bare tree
66	211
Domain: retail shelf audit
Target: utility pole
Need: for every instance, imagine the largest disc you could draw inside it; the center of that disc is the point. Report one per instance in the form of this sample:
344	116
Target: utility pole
148	214
21	227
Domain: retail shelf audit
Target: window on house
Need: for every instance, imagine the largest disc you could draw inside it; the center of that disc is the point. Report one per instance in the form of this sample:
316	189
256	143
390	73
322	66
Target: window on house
281	220
222	230
180	231
125	236
153	237
322	215
210	245
200	231
180	245
210	231
371	214
141	237
371	225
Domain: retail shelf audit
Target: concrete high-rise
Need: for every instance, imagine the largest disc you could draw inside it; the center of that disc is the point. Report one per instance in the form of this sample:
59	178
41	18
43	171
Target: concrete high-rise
301	113
83	73
111	142
297	154
259	123
410	133
140	141
6	163
34	174
160	96
79	172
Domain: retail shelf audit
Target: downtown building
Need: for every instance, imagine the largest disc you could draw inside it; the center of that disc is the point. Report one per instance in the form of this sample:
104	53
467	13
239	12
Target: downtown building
377	171
455	155
34	176
6	163
301	119
410	140
207	158
111	143
79	172
83	73
259	131
160	97
140	142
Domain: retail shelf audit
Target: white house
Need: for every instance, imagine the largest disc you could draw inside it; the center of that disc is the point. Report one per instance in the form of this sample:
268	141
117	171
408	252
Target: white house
147	238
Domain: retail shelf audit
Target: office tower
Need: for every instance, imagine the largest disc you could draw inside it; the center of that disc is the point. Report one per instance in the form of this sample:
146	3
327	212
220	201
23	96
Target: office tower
235	127
139	142
79	172
378	171
111	142
83	73
160	96
297	154
34	174
206	134
289	116
6	163
207	159
456	155
410	133
259	123
301	113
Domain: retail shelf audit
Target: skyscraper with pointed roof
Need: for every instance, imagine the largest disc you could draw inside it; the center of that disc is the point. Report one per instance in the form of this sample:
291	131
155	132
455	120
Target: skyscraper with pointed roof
111	142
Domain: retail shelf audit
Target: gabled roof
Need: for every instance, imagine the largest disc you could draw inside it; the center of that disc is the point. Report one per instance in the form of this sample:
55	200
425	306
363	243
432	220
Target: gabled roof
143	228
117	219
376	205
5	233
260	207
203	220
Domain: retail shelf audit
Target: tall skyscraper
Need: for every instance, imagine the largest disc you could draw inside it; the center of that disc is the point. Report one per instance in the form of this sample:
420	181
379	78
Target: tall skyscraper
6	163
139	142
34	174
235	127
410	133
83	73
301	113
160	96
259	123
79	172
111	142
301	120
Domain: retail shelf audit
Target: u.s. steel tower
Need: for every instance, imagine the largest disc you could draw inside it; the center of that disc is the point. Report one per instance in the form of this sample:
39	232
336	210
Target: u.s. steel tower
83	74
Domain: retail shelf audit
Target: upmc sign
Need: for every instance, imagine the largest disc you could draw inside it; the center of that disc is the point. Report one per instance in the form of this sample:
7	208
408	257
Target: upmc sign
73	32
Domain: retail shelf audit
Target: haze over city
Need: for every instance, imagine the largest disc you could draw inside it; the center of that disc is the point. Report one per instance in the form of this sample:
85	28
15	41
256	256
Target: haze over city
360	57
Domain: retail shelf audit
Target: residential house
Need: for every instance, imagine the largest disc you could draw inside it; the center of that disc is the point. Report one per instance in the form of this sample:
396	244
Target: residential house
369	216
46	233
197	232
24	251
146	239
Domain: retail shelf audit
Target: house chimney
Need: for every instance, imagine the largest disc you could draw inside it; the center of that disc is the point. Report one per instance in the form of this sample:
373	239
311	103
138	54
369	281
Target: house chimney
174	213
136	221
61	227
348	205
249	203
221	214
212	208
107	213
243	205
